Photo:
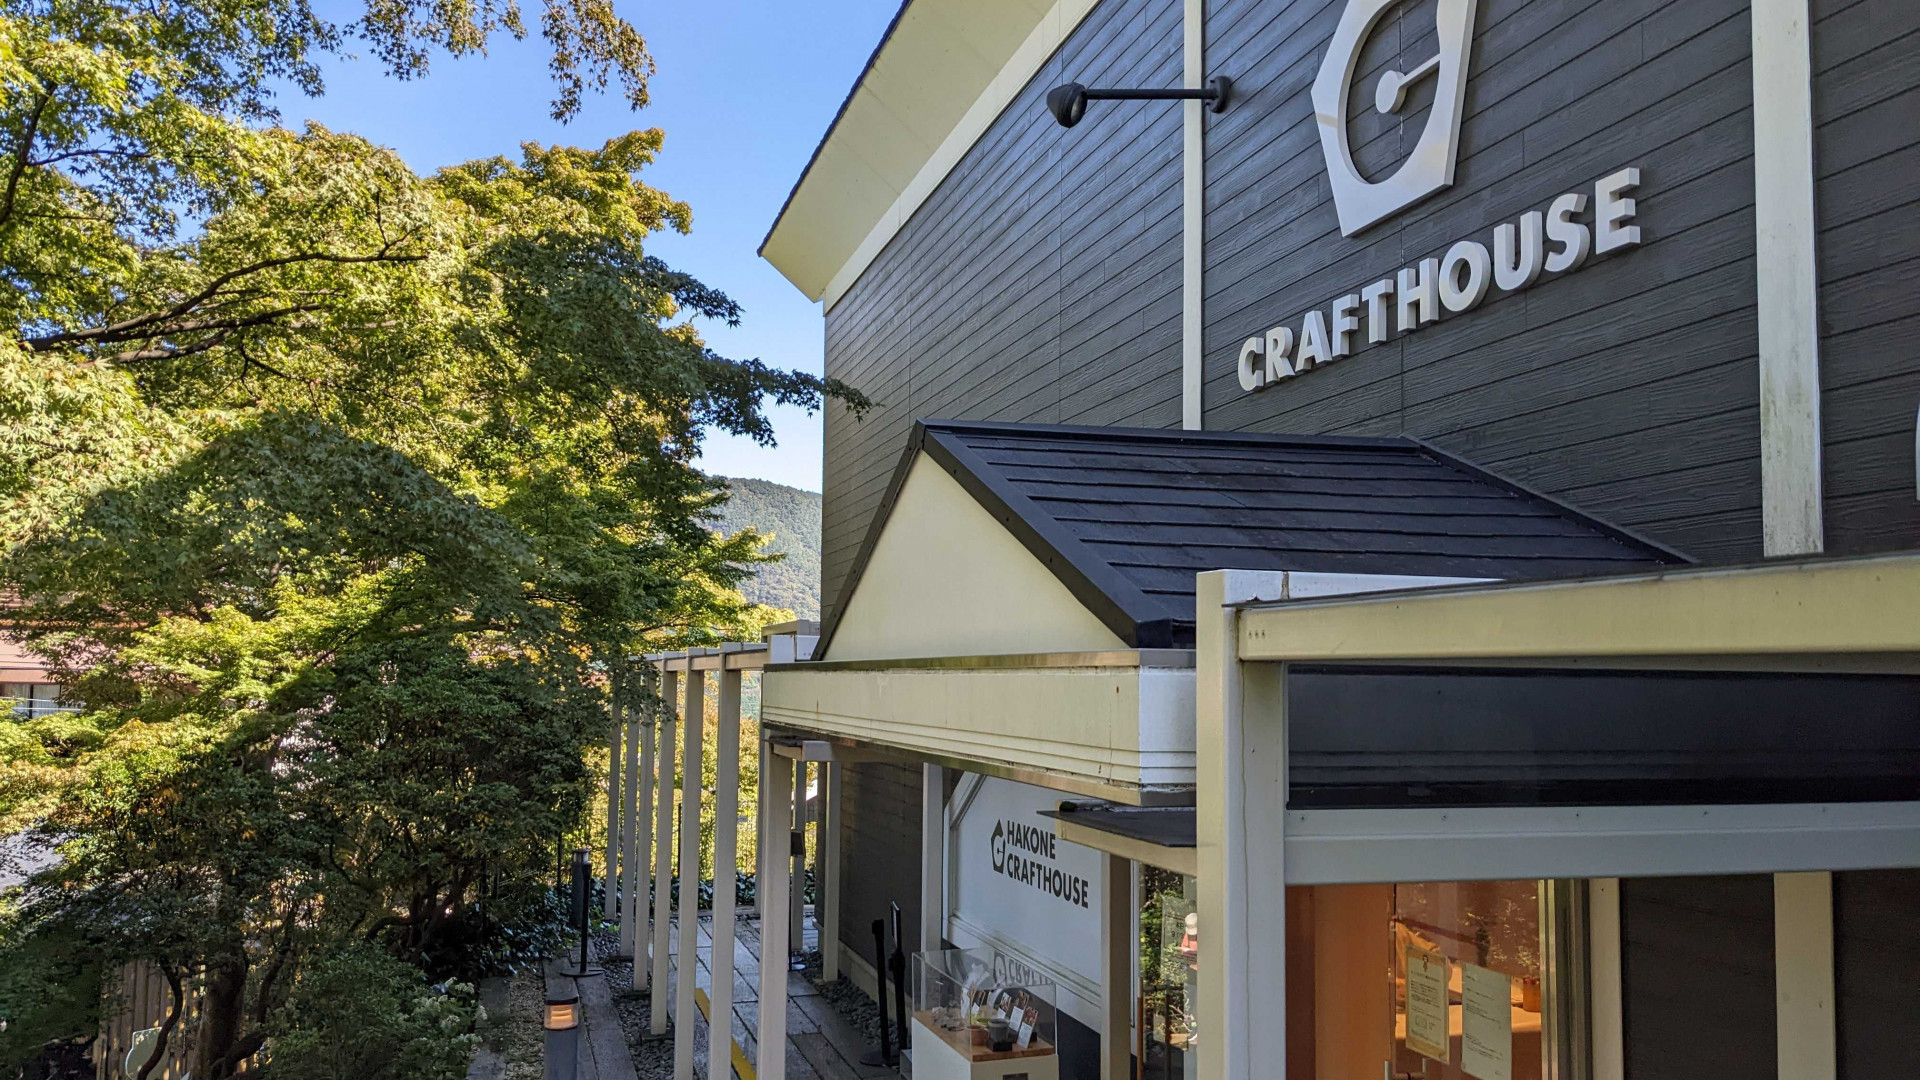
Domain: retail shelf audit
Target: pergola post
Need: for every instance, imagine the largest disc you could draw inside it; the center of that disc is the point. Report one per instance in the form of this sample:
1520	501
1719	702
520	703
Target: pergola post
693	721
726	822
617	714
797	890
663	857
639	828
775	778
933	856
827	914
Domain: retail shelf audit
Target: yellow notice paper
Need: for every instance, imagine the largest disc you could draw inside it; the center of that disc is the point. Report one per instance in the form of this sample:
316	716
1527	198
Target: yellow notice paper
1486	1023
1427	1004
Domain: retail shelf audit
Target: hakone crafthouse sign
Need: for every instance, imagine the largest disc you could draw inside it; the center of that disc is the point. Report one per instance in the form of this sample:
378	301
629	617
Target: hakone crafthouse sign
1553	241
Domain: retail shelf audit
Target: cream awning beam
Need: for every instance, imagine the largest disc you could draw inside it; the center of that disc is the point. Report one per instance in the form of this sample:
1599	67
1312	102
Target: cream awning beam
1865	606
728	657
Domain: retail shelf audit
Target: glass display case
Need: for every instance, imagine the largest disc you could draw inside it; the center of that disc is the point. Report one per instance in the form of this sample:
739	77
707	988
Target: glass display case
978	1013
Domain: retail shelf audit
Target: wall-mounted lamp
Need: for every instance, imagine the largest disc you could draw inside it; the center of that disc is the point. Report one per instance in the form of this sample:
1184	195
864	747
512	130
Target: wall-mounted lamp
1068	103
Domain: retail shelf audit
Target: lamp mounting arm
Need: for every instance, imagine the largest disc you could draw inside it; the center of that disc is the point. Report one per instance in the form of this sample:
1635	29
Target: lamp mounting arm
1068	102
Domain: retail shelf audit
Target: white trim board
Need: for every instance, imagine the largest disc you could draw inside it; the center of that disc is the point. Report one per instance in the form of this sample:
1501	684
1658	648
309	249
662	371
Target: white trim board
1052	29
1328	847
1787	279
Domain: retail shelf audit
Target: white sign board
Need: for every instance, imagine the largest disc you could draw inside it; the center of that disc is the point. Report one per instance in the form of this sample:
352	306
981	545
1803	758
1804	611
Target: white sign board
1486	1023
1015	886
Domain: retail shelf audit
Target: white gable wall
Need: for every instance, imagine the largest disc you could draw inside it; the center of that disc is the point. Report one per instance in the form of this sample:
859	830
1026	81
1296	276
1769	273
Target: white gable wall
946	579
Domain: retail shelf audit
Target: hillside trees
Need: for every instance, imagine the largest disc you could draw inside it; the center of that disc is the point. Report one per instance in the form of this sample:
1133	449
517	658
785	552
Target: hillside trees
335	492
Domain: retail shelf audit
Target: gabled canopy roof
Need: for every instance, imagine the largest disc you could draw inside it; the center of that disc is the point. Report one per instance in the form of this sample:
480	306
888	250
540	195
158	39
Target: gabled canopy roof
1125	517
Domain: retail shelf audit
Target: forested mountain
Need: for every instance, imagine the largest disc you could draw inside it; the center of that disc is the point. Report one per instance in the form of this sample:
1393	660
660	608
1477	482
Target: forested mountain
792	517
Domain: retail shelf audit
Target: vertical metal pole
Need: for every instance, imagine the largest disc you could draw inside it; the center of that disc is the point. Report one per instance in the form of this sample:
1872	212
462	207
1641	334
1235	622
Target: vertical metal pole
726	821
663	858
828	912
618	706
775	778
1117	945
582	874
691	775
797	895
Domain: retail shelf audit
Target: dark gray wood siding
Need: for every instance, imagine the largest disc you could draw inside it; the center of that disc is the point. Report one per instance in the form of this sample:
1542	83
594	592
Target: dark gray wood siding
1039	282
1697	977
1876	973
1866	102
1627	387
879	852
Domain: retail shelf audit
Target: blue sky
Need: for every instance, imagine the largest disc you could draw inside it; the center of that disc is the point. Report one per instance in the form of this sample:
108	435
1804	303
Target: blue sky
744	92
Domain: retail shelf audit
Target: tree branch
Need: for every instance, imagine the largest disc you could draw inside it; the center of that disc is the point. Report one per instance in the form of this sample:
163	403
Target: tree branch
144	325
20	156
166	1026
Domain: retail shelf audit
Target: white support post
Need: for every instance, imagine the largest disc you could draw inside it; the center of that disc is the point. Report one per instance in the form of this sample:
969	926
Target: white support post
1220	833
726	822
1192	218
933	855
663	857
1117	944
1803	976
797	885
1607	1015
638	837
631	851
618	707
1788	278
828	916
685	1009
775	778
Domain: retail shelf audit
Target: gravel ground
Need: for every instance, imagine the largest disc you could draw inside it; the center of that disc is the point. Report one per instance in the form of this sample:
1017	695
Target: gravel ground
847	999
652	1058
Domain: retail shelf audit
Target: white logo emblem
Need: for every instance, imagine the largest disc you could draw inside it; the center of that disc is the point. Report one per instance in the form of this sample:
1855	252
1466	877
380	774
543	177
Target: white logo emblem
1429	168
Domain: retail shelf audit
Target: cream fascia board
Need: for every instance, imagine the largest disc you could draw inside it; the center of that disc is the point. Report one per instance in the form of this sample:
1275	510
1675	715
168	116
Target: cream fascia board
1866	605
1113	732
877	161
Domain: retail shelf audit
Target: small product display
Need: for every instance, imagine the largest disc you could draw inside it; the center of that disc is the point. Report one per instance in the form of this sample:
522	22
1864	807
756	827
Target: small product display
983	1006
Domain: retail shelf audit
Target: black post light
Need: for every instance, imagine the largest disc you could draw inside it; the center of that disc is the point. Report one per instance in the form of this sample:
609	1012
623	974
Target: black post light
561	1020
1068	103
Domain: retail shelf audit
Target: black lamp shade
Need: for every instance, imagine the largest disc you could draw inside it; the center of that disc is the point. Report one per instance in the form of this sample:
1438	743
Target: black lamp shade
1067	103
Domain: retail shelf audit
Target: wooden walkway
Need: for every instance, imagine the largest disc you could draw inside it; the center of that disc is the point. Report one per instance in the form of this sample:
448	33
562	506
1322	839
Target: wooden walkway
821	1044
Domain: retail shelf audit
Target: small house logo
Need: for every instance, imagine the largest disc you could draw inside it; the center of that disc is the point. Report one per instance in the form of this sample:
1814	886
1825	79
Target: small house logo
999	847
1429	167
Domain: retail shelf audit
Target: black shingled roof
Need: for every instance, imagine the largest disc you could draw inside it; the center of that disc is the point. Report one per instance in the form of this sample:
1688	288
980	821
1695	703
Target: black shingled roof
1125	517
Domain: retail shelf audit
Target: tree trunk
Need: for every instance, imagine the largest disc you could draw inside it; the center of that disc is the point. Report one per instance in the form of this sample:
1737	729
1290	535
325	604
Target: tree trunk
222	1013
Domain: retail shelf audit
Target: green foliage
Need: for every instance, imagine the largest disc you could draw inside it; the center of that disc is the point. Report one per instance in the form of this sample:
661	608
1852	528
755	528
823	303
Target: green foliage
359	1014
790	519
340	495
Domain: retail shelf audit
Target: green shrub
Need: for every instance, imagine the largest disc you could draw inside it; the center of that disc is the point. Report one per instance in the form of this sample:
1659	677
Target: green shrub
359	1014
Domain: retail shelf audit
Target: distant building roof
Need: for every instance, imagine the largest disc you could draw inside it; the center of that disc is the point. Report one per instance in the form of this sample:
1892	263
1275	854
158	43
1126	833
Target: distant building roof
1126	517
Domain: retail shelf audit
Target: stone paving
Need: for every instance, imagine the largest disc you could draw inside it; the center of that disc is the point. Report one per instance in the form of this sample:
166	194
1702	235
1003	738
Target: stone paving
821	1043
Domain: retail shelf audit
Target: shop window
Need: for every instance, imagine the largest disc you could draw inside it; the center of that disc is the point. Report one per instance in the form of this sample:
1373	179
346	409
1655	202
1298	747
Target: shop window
26	701
1165	1029
1437	981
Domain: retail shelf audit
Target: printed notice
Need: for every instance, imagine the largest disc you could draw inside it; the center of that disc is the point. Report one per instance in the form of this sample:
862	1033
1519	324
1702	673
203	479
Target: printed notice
1486	1023
1427	1005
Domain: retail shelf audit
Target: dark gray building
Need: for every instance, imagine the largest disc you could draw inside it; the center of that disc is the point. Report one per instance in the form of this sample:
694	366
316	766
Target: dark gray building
1653	263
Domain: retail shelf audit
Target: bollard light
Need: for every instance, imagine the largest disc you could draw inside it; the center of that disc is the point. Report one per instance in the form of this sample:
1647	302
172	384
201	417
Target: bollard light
562	1015
562	1021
